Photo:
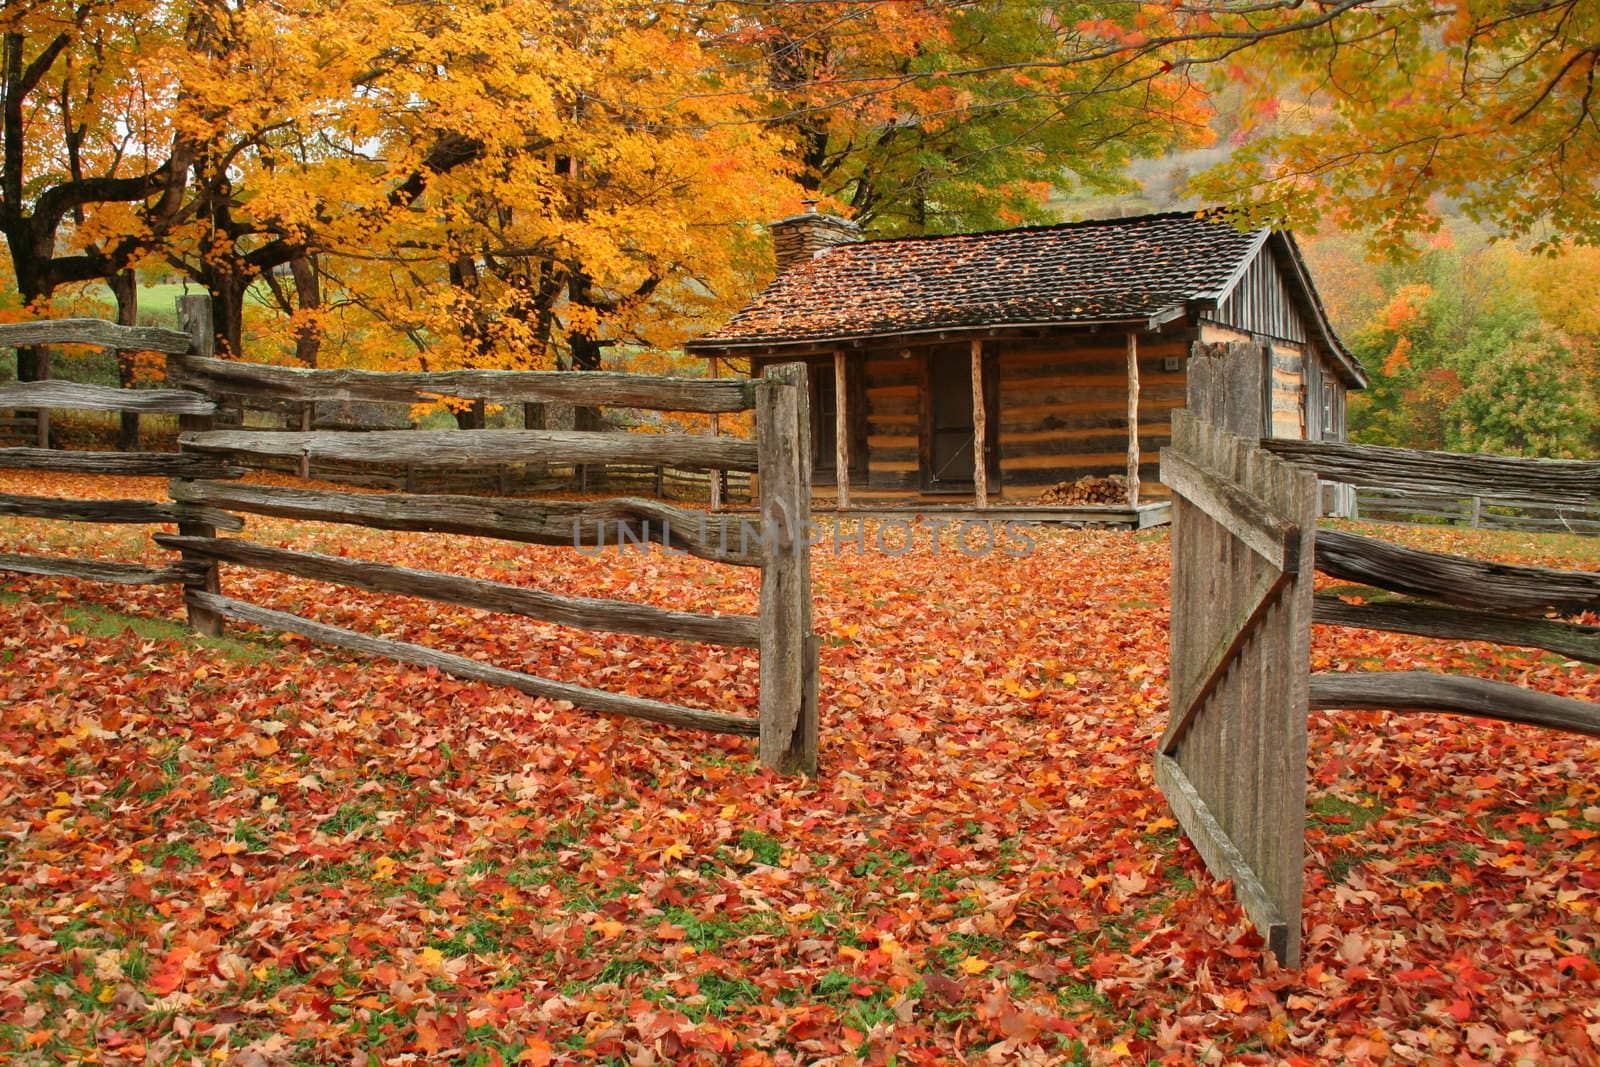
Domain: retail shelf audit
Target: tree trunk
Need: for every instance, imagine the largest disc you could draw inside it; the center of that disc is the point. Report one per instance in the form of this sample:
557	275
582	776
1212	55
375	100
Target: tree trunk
125	287
227	309
308	297
472	418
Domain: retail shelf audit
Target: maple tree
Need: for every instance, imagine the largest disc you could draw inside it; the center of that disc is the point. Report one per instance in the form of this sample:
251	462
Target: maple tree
478	181
1367	113
937	117
89	172
481	182
258	849
1360	112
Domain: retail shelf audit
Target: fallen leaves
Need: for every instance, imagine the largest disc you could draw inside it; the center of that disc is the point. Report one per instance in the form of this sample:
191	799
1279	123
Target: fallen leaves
275	851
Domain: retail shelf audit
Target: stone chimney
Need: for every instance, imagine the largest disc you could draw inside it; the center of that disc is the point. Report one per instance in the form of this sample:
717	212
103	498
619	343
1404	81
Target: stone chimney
798	238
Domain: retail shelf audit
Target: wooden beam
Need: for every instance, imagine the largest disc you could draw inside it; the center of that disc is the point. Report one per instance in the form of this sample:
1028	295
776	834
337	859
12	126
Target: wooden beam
468	448
1133	419
1456	580
1567	639
715	370
124	464
575	523
113	511
95	570
841	429
588	613
585	388
194	315
1551	481
1270	536
472	670
93	332
59	394
980	430
788	700
1408	691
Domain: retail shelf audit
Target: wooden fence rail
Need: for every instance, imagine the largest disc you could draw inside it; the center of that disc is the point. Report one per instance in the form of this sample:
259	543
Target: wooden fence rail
1476	512
203	501
1232	761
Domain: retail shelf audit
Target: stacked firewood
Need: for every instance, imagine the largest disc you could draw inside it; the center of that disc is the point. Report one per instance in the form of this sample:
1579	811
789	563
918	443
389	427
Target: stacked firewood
1090	489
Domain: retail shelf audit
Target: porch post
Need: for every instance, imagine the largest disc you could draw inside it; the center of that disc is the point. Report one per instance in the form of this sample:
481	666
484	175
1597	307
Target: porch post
1133	419
716	430
980	430
841	431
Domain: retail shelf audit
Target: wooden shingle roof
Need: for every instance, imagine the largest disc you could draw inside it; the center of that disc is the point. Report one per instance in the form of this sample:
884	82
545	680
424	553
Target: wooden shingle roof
1104	270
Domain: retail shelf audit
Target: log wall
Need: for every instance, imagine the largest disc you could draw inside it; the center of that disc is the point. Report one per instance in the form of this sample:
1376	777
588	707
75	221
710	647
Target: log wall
1288	391
1064	408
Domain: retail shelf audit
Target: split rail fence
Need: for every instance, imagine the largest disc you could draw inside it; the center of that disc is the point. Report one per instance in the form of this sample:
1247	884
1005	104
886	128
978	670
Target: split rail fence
1245	545
205	497
1506	512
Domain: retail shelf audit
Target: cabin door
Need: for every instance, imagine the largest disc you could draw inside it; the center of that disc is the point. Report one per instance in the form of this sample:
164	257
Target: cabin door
947	461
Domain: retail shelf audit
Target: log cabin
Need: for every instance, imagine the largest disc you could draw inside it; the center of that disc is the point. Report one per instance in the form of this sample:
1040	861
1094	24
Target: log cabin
1052	352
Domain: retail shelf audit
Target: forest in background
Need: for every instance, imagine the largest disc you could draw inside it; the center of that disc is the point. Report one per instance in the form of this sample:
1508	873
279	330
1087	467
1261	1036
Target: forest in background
578	183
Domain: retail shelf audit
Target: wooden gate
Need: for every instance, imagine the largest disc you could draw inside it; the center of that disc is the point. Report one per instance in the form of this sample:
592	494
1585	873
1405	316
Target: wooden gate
1232	762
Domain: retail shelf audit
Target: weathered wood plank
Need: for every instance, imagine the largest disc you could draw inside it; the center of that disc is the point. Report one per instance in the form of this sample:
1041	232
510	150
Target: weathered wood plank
461	667
1240	626
1273	537
1222	857
466	448
1558	481
95	570
611	616
93	332
72	395
113	511
1567	639
592	524
1458	694
588	388
714	370
1454	579
121	464
788	705
1225	386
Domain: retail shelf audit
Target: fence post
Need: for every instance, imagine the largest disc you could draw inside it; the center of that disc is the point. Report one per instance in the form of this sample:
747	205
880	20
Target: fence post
788	649
194	318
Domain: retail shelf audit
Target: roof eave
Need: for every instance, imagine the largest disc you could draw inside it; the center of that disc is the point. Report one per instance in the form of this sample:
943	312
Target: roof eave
1354	374
1223	291
711	348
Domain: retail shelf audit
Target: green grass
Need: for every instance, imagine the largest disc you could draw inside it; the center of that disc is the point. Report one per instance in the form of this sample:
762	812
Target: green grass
1339	811
717	996
348	818
96	620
